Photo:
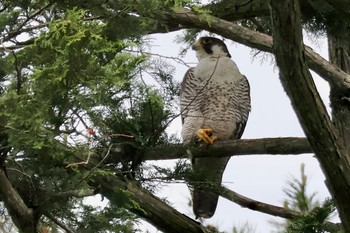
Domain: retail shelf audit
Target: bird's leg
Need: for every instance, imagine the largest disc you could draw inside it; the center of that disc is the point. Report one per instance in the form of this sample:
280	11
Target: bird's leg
206	135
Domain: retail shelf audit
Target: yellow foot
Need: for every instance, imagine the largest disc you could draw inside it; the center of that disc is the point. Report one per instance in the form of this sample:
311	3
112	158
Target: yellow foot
206	135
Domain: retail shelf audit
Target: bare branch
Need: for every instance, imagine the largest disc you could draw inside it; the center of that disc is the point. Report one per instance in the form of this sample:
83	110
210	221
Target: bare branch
317	63
73	193
58	222
257	205
272	146
20	29
175	59
266	208
99	163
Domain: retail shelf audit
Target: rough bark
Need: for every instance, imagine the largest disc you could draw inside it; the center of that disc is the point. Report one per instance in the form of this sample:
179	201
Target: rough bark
239	9
148	206
152	209
311	112
22	216
180	18
338	79
339	54
317	63
243	9
272	146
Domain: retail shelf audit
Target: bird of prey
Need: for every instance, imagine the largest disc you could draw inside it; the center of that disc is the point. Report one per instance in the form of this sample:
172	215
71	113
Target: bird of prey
215	104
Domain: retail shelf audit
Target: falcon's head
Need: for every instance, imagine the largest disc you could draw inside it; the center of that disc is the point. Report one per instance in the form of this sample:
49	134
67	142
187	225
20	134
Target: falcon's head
210	46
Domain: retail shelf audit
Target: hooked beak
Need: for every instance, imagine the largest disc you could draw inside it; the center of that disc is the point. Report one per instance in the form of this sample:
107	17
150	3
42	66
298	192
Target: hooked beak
197	45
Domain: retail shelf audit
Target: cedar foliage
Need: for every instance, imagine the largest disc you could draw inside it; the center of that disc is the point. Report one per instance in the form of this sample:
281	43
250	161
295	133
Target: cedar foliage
72	89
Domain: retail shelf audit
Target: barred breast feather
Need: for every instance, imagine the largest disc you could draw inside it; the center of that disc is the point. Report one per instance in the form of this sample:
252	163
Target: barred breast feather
214	95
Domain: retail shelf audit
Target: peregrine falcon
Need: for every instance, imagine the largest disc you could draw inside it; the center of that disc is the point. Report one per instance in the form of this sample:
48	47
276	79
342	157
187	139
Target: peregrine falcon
215	104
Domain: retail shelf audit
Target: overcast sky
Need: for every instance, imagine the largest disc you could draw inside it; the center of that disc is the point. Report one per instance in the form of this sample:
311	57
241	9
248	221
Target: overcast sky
261	177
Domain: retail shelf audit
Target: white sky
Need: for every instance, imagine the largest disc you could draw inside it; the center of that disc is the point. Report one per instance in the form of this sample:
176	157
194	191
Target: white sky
261	177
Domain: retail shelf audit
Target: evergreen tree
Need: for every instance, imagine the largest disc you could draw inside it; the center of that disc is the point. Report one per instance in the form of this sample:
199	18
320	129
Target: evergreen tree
77	118
313	214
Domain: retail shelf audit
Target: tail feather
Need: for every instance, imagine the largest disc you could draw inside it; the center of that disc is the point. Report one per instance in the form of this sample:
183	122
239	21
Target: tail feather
204	203
208	173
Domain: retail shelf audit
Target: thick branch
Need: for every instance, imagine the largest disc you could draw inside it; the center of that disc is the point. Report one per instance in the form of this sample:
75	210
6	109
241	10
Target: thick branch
148	206
180	18
143	203
311	112
317	63
21	215
243	9
239	9
272	146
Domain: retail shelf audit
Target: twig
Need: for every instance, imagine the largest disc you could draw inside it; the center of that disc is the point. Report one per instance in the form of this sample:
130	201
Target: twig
19	31
82	162
73	193
120	135
18	72
91	133
102	160
16	170
58	222
264	207
176	59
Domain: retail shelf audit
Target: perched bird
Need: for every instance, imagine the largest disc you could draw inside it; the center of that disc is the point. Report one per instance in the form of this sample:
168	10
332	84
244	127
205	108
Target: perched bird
215	104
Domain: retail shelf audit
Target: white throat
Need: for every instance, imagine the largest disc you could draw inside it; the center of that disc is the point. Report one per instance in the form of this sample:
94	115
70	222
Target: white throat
217	52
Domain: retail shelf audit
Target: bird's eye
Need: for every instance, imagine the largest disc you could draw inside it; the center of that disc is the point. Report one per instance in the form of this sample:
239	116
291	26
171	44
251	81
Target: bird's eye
206	41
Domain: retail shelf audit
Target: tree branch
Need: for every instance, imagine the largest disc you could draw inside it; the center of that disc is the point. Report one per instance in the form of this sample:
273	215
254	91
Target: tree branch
20	28
142	202
262	207
22	216
239	9
147	206
272	146
58	222
312	114
73	193
317	63
257	205
181	18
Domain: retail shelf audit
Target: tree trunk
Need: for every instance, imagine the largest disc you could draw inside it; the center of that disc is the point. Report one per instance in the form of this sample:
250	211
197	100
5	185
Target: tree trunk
297	81
339	55
22	216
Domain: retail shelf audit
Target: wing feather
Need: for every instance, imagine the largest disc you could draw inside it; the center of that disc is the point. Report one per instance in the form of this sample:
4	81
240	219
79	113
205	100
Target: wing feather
242	107
184	85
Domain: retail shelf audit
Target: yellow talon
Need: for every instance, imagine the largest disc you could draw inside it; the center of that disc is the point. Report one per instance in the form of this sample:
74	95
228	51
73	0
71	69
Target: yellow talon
206	135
